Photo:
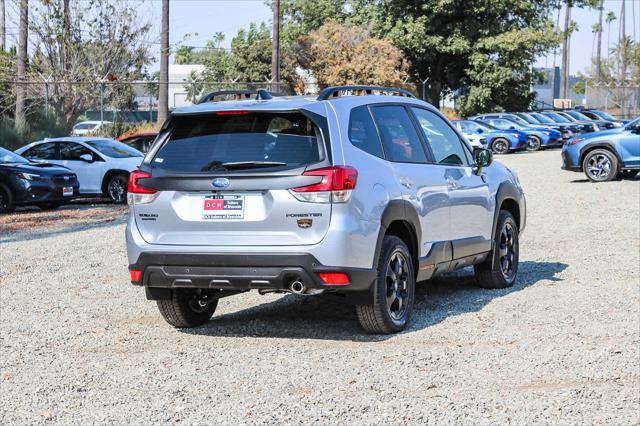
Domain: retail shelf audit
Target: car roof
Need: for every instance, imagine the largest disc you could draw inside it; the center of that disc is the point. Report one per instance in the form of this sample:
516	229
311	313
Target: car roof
75	139
287	103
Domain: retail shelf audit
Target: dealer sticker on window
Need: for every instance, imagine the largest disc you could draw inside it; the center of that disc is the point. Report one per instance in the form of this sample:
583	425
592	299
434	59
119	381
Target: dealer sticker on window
223	207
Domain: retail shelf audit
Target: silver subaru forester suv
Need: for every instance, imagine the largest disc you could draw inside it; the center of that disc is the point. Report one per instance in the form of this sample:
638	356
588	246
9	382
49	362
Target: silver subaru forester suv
357	193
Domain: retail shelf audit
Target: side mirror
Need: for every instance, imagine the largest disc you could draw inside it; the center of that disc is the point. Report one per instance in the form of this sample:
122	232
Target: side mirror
512	128
483	157
87	157
480	130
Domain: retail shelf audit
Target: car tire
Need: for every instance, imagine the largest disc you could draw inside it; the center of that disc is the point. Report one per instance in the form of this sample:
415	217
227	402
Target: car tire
117	188
393	292
534	144
600	165
49	206
500	269
500	146
6	200
187	308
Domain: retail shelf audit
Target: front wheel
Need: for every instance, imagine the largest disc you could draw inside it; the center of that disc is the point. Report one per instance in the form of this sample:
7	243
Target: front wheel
187	308
117	189
600	165
501	268
393	292
534	143
500	146
6	200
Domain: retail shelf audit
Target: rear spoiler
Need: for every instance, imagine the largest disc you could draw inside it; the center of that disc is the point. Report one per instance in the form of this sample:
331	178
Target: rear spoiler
236	95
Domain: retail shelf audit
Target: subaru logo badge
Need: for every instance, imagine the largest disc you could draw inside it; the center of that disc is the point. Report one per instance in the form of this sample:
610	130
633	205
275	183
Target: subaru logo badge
220	182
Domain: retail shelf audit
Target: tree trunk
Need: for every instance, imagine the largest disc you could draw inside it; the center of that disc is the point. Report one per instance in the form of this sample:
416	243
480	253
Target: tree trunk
163	92
621	44
564	76
275	47
3	31
599	51
21	89
66	34
434	90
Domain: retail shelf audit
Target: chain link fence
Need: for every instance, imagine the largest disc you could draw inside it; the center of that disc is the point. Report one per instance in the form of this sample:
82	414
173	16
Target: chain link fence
620	99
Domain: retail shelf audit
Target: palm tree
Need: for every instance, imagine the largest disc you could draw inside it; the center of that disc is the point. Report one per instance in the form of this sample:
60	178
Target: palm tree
183	55
611	16
163	92
599	50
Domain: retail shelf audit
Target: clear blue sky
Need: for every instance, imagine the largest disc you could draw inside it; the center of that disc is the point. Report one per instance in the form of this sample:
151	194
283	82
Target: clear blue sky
206	17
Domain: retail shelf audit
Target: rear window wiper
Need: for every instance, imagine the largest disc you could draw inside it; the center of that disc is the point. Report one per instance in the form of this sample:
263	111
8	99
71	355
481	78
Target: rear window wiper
235	165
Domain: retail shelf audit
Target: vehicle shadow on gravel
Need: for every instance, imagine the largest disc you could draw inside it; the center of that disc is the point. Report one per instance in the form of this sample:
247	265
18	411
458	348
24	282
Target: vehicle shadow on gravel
324	318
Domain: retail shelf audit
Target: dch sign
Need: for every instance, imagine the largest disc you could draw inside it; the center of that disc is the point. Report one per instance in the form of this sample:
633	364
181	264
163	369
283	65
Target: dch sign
562	103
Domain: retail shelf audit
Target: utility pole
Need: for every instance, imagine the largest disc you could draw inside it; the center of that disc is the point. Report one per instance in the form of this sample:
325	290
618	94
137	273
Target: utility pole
622	43
275	47
564	76
163	92
599	51
21	89
3	31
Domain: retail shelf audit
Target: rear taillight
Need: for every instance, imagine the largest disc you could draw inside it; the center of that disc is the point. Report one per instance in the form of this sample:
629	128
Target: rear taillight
136	275
334	278
136	192
335	187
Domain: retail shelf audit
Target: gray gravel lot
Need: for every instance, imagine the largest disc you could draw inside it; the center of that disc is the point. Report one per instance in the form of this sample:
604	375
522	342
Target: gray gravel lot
80	345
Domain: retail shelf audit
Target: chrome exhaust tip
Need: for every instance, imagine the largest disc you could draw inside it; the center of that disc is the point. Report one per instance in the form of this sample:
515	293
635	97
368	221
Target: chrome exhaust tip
297	287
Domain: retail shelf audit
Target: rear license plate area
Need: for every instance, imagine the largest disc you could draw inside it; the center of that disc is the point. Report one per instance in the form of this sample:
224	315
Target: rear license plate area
223	207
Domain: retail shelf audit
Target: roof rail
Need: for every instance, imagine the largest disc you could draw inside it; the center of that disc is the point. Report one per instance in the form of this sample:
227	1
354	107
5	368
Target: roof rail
259	94
358	90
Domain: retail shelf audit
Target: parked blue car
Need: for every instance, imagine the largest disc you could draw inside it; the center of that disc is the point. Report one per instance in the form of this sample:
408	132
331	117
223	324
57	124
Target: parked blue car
538	137
603	156
498	141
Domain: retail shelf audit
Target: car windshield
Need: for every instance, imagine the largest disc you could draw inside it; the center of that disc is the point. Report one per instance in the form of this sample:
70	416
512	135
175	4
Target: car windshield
518	120
604	115
542	118
578	116
503	123
634	124
85	126
528	118
234	140
114	149
557	117
8	157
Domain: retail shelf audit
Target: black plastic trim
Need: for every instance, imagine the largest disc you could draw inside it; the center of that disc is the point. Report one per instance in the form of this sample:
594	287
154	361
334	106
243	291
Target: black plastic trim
241	271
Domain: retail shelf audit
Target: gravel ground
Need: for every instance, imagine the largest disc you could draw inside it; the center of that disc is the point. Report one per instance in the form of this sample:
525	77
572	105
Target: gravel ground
80	345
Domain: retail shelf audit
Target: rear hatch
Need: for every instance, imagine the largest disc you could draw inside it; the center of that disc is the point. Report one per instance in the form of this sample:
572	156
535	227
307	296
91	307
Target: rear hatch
223	179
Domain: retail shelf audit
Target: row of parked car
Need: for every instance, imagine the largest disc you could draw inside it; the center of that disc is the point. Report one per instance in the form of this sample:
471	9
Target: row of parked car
532	131
51	172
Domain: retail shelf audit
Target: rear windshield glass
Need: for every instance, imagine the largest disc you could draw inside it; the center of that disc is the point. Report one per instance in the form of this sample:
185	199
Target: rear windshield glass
206	142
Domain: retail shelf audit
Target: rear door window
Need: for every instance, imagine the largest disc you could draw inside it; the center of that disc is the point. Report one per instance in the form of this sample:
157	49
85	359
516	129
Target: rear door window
362	132
43	151
399	137
214	141
70	151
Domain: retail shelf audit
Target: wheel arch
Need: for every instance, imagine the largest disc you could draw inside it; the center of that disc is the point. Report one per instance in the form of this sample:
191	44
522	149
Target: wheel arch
609	146
401	220
109	175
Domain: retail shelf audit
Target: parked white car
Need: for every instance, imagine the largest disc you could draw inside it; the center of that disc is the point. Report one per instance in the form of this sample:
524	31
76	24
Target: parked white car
102	165
86	127
475	139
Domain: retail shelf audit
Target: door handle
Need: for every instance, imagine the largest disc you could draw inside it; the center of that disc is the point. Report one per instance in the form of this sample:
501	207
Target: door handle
406	182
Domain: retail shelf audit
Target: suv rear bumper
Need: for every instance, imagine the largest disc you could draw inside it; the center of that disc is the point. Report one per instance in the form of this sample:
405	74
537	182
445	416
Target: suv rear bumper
242	271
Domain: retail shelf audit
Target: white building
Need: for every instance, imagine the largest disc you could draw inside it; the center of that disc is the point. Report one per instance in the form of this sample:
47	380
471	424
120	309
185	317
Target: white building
179	76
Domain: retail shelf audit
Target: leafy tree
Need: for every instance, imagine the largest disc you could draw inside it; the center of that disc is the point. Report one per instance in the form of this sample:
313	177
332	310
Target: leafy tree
251	50
103	37
340	54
